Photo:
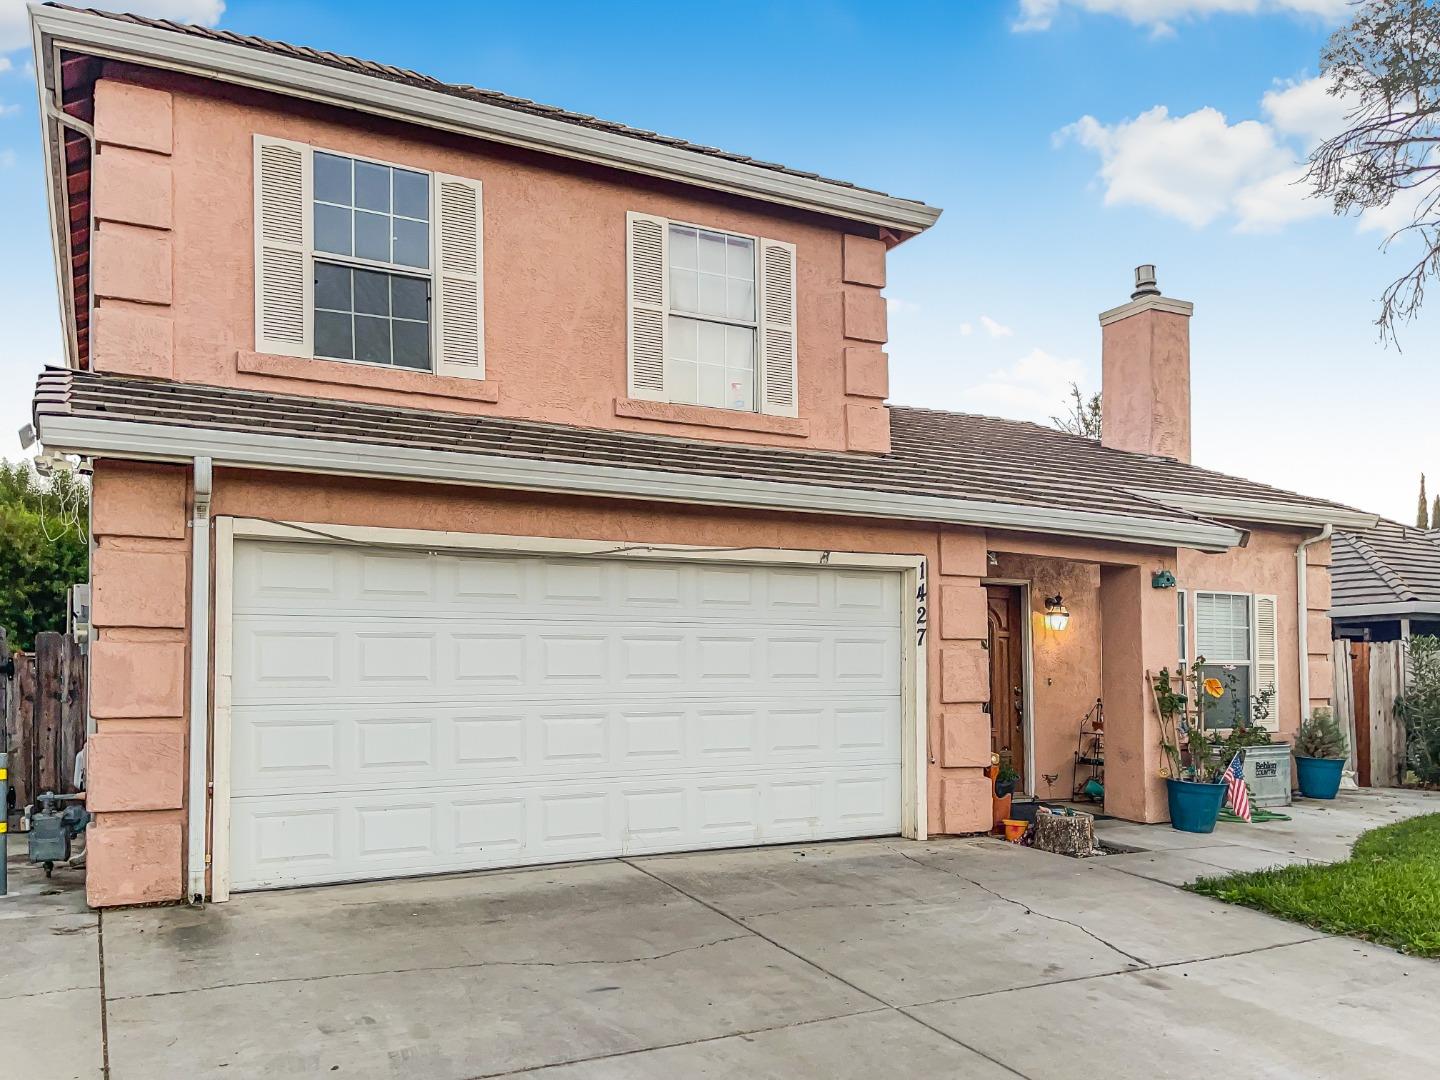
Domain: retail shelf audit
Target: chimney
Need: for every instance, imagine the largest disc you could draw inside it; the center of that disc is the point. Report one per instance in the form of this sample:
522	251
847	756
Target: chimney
1145	372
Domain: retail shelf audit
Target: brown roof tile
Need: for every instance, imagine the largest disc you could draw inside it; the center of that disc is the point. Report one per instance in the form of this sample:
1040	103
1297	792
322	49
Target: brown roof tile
937	454
459	90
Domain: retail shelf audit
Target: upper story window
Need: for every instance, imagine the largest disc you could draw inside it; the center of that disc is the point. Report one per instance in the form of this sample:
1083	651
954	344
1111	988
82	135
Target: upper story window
372	261
710	340
366	261
712	317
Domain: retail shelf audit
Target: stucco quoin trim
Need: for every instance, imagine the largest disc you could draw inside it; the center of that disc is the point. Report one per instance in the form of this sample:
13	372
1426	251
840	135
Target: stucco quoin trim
160	442
292	77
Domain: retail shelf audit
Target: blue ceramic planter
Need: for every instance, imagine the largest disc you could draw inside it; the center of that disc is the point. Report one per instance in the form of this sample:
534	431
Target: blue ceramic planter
1318	777
1194	807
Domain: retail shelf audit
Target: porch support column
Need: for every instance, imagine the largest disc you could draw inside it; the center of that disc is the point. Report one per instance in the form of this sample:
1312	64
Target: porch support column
1138	634
960	743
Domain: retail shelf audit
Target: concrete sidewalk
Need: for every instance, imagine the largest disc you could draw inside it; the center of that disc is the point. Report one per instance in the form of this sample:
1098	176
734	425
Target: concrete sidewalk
967	958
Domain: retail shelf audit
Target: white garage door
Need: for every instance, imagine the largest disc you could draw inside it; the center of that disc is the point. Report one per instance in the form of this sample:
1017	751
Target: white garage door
408	712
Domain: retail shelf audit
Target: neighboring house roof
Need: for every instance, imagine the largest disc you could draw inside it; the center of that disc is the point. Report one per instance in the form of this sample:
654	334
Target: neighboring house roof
1390	571
950	467
406	77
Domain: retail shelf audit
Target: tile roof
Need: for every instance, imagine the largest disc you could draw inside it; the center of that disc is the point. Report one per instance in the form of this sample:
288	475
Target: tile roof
1389	564
936	454
458	90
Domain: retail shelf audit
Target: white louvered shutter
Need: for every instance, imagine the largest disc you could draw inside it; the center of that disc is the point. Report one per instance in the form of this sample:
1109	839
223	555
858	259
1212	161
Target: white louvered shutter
1267	653
459	278
284	284
778	393
646	240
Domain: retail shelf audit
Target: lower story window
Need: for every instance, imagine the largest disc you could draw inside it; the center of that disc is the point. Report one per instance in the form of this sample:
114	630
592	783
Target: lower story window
1223	640
372	316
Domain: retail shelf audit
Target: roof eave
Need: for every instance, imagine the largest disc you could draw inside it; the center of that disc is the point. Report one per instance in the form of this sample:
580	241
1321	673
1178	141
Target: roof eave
1398	609
1261	511
160	442
245	66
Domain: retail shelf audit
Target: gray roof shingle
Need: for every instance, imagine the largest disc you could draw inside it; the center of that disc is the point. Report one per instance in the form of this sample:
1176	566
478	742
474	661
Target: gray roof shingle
939	454
458	90
1389	564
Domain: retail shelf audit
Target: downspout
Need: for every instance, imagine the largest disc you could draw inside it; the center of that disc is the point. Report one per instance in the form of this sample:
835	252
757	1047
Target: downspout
86	131
196	856
1302	637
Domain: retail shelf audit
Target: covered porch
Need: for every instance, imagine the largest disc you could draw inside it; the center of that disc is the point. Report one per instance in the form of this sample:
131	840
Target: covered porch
1072	631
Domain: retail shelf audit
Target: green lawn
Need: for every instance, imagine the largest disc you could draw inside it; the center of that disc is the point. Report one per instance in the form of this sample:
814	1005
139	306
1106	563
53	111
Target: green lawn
1388	891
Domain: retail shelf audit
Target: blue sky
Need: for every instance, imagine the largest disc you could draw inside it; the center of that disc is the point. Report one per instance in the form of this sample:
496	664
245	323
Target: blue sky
1067	141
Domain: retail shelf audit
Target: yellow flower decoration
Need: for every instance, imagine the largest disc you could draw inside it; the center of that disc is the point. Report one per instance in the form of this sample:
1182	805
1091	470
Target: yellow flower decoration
1214	688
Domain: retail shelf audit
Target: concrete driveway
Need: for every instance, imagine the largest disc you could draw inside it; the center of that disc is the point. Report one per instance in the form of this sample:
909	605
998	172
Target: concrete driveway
968	958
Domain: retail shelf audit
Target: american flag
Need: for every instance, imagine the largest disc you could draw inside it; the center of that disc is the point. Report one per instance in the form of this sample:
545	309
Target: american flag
1239	798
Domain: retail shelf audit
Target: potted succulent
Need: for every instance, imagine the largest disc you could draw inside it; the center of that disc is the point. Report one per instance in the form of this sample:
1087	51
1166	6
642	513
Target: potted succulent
1193	777
1320	748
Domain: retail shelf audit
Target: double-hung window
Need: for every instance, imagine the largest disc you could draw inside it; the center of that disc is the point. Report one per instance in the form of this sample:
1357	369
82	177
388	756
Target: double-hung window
366	261
712	317
1236	636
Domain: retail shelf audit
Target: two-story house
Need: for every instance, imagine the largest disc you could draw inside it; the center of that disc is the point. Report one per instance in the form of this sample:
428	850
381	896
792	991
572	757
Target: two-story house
478	484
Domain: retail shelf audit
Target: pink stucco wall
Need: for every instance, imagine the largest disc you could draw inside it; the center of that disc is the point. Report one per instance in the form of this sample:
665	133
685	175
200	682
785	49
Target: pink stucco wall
1145	361
174	271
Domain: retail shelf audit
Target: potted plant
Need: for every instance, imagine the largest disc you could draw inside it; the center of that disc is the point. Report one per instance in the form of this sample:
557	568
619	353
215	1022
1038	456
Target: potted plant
1267	762
1003	791
1319	755
1193	777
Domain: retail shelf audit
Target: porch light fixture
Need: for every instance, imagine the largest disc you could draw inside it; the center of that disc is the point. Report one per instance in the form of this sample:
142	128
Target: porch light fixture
1057	615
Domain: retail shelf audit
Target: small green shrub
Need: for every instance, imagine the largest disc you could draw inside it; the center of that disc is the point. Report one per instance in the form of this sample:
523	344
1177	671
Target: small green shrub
1320	736
1419	708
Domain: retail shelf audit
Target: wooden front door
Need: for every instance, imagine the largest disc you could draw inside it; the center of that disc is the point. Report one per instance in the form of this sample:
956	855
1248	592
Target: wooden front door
1007	677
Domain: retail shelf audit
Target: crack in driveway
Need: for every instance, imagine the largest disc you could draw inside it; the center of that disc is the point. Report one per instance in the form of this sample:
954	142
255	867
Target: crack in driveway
437	968
1025	907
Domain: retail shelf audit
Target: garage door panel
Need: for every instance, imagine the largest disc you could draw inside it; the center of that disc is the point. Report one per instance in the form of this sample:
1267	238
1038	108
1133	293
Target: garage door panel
335	836
427	586
300	749
401	712
282	660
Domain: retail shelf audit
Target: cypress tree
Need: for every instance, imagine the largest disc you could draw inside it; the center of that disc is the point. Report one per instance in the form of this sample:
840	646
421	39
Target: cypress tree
1422	516
1435	514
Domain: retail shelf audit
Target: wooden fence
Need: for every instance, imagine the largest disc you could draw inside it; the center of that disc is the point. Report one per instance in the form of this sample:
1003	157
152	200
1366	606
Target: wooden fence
44	716
1369	676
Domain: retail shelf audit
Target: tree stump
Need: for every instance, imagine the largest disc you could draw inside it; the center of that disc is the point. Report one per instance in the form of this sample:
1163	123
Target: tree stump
1064	834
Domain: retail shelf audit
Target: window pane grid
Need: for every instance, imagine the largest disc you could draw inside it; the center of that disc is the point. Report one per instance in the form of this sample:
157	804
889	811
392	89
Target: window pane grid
372	317
710	338
377	213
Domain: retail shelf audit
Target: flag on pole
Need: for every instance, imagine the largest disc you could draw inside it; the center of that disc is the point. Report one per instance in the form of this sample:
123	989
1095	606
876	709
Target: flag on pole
1238	796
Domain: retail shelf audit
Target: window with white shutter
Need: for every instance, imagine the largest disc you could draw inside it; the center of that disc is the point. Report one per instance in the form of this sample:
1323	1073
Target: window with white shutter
711	318
1267	654
366	262
1237	637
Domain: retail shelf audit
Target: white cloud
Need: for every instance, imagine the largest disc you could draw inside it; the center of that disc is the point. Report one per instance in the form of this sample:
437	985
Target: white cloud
1200	167
966	329
1161	15
8	109
1188	167
4	64
1306	110
993	328
7	158
15	26
900	306
1034	386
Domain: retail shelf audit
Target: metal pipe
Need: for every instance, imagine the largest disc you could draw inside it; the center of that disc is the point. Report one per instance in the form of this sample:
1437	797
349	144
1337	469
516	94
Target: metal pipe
197	856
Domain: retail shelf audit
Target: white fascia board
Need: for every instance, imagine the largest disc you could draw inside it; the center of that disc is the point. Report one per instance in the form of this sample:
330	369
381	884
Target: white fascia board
98	36
1398	609
159	442
1261	511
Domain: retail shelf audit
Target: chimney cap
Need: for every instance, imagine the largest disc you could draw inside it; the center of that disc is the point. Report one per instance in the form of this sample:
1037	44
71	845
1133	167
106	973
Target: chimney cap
1145	284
